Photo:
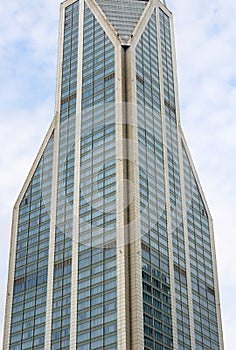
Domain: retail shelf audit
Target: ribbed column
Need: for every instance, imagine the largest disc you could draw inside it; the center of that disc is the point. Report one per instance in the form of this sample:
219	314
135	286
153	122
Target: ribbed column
133	224
75	233
123	319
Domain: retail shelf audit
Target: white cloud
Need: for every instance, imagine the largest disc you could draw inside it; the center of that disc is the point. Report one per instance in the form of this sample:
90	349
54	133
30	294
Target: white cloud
205	41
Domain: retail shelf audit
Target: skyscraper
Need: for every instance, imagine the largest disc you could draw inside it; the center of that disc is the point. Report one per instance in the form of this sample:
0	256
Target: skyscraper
112	241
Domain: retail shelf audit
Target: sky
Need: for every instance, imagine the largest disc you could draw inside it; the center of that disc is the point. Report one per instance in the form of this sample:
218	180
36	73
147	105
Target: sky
205	34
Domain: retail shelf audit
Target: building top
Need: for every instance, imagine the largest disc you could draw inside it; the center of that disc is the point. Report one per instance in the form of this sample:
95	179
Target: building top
123	15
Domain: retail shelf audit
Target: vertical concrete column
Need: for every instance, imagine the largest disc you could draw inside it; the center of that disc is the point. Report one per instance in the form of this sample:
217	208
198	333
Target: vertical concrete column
123	306
75	233
133	224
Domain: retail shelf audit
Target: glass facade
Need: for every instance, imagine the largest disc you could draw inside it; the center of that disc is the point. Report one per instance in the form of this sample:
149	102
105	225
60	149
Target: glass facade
31	267
97	316
158	316
155	261
202	278
63	292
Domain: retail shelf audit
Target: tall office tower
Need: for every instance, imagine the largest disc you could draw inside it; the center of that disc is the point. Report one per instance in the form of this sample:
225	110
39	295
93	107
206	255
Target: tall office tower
112	242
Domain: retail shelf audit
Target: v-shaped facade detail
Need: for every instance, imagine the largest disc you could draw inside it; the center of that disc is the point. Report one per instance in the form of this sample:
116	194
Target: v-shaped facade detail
112	241
123	15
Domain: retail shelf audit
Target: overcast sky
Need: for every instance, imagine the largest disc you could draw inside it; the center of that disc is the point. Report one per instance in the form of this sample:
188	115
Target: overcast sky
205	32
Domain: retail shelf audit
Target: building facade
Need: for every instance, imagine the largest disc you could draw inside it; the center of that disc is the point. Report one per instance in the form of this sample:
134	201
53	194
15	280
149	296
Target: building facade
112	241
